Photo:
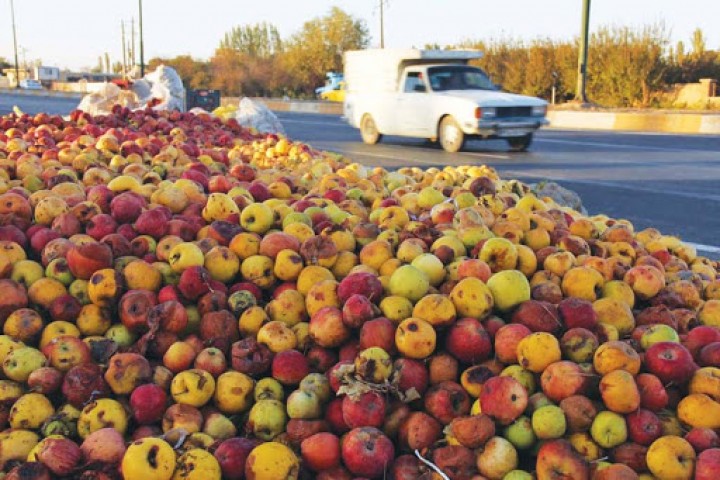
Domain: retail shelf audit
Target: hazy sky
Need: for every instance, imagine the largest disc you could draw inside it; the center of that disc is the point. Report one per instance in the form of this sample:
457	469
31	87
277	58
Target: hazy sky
73	33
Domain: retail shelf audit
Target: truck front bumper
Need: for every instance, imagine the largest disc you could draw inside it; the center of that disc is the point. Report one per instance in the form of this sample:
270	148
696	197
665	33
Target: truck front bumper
504	128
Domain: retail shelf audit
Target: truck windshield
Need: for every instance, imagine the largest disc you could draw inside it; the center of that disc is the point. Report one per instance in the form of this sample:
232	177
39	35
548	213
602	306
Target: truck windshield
459	78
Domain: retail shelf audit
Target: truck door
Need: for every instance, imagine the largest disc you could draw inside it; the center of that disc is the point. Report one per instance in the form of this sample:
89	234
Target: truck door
412	105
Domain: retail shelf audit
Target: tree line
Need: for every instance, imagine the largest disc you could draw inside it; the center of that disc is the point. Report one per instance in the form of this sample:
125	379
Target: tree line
627	67
254	60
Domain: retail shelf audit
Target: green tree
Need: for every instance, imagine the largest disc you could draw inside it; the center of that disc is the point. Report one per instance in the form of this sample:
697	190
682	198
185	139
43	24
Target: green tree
698	42
626	67
318	48
260	40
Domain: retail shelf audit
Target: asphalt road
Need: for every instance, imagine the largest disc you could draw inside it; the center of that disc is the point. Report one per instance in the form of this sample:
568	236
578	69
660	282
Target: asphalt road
669	182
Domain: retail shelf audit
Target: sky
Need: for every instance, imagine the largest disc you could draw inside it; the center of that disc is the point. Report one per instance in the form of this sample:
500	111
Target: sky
74	33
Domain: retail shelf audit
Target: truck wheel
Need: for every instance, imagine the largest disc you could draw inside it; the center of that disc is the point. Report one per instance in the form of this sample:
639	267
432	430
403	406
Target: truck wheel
369	131
520	144
450	135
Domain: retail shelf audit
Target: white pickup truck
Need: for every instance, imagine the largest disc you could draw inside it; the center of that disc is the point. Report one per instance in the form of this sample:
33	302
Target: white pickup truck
434	94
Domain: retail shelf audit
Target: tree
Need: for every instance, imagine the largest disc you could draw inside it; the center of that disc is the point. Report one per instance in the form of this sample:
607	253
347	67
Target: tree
319	46
99	67
194	73
626	67
698	42
226	74
260	40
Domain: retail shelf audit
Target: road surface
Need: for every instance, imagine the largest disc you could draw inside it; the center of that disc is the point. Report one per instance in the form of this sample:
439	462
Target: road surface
666	181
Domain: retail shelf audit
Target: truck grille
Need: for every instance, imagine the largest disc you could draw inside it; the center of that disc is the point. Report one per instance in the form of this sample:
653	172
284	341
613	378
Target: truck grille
505	112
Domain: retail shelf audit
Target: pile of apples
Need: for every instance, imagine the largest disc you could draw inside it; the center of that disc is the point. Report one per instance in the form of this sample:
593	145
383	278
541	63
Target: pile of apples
183	298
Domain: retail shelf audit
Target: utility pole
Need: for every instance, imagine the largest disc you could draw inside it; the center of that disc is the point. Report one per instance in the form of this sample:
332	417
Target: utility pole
583	54
132	41
17	67
142	48
124	53
382	23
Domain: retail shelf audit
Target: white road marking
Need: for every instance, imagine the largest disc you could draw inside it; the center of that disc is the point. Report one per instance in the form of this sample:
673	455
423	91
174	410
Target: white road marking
314	122
632	188
485	155
389	157
619	146
704	248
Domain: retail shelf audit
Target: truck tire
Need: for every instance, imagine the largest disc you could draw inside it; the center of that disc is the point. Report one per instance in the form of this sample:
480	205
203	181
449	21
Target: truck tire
450	135
369	131
520	144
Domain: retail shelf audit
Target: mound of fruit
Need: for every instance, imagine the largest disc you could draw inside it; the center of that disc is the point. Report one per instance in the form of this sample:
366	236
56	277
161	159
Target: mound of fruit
181	298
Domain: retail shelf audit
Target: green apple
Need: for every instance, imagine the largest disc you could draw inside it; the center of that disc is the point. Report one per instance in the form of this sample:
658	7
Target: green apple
354	194
27	272
258	218
608	429
296	217
429	197
464	200
267	419
336	214
194	318
518	475
303	405
509	289
526	378
431	266
549	422
395	180
520	433
374	216
658	333
471	236
58	270
119	334
409	282
21	362
79	289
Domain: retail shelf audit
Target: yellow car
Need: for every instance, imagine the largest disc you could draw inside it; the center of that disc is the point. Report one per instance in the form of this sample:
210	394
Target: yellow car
336	95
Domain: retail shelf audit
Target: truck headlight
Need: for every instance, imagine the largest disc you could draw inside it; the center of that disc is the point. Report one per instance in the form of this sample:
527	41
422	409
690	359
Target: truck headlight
540	111
485	112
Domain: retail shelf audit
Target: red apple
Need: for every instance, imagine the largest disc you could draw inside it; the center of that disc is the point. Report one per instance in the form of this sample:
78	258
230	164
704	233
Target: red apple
468	341
365	410
148	403
503	398
671	362
366	452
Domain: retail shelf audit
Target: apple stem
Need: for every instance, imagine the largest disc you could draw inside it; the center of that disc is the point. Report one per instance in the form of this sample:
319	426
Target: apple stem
431	465
601	459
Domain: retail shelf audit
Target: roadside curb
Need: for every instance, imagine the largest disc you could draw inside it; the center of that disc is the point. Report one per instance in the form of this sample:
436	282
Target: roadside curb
40	93
685	123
